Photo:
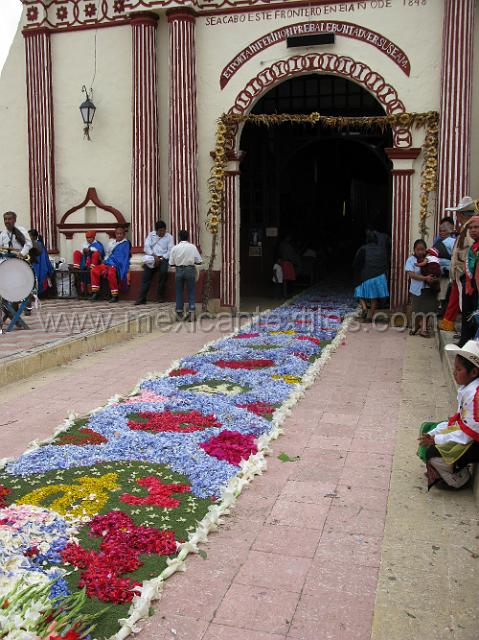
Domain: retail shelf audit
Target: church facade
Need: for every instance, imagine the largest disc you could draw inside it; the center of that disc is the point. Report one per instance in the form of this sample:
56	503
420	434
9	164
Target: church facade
162	72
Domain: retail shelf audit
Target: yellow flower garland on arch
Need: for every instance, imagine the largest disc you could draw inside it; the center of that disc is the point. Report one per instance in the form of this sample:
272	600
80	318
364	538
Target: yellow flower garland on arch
226	129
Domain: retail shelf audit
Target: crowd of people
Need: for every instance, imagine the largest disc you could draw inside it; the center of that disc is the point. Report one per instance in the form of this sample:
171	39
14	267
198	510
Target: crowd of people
94	262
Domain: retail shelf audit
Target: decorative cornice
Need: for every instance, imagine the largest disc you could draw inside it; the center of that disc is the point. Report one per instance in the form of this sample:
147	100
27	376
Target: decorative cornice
181	13
39	31
91	196
398	153
147	18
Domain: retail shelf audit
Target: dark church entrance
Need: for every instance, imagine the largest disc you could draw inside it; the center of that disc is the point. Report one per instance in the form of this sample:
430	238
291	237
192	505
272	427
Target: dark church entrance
314	188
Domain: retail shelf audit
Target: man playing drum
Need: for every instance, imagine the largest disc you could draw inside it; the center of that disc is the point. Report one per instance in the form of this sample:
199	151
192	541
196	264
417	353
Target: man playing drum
15	238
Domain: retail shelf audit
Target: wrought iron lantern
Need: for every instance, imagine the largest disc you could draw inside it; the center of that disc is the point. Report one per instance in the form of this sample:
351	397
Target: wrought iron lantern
87	110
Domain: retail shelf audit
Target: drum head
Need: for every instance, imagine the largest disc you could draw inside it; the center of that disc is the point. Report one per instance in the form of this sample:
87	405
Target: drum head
16	279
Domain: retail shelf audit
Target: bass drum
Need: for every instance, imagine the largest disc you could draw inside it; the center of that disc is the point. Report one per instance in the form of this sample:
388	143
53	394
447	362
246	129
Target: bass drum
16	279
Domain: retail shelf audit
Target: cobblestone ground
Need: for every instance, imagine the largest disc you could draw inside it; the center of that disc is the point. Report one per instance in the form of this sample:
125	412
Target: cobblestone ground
301	555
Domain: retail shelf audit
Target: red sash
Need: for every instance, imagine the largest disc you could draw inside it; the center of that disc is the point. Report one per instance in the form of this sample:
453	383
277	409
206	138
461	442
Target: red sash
456	419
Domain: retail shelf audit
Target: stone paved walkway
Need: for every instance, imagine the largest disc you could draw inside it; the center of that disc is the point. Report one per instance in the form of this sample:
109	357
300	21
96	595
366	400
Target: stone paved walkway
300	555
60	319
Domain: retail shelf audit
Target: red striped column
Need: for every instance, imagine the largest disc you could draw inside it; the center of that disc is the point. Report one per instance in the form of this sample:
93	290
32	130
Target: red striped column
456	101
401	174
145	188
229	280
183	145
40	134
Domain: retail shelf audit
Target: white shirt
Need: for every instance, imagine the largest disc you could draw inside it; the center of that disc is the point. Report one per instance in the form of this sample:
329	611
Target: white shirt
184	254
112	244
158	246
278	273
8	241
468	408
90	247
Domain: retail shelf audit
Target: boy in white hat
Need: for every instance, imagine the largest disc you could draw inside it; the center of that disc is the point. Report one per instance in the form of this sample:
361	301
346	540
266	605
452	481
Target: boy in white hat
449	447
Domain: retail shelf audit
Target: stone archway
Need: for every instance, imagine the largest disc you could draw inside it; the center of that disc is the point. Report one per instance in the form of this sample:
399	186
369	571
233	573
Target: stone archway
402	156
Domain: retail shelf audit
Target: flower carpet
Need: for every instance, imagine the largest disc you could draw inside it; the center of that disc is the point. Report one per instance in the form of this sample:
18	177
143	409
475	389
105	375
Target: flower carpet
94	520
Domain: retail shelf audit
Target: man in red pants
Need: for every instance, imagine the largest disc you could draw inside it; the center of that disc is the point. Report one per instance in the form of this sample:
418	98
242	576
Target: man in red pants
115	267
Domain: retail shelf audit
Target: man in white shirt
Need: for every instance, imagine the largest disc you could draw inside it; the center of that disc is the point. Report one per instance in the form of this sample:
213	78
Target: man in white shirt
14	237
157	249
184	256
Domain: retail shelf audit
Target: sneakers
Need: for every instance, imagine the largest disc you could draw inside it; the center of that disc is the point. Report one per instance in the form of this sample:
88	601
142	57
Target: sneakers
446	325
113	299
139	302
94	297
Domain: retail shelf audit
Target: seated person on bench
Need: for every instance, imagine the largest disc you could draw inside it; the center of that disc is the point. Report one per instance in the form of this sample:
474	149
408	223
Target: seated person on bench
115	266
91	255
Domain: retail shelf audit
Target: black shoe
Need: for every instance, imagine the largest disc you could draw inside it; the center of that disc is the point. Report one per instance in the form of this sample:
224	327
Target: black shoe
94	297
113	299
160	300
140	302
179	316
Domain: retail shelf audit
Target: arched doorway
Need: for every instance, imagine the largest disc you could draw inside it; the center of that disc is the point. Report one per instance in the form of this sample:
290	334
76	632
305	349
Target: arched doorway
319	186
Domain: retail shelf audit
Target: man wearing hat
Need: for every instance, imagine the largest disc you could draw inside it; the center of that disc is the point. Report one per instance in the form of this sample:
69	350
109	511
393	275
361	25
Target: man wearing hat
466	208
91	255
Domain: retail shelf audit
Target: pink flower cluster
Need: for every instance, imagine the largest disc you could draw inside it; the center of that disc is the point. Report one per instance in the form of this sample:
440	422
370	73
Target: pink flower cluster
231	446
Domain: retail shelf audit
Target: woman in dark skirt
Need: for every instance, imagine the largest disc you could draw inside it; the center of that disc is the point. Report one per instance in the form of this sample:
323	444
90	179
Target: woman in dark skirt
423	298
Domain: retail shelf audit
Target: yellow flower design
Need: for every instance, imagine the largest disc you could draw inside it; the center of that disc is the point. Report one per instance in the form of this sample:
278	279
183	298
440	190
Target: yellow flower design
85	498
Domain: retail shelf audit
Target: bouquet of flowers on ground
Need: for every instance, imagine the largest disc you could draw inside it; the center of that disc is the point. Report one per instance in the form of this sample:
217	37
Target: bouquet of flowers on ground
28	612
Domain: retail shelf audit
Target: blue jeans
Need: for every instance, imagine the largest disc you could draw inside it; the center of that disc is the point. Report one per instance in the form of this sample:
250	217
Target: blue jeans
185	275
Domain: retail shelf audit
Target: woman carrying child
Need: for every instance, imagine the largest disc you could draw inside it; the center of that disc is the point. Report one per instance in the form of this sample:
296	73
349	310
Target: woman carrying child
423	298
449	447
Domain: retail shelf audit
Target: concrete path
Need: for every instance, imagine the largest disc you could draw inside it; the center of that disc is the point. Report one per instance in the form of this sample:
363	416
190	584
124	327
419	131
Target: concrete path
300	556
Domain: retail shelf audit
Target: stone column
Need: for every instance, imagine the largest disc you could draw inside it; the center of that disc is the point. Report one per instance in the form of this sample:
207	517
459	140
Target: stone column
40	134
401	173
145	187
456	102
229	277
183	145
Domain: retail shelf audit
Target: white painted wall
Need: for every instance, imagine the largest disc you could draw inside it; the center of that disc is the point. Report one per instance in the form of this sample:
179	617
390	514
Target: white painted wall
105	161
14	192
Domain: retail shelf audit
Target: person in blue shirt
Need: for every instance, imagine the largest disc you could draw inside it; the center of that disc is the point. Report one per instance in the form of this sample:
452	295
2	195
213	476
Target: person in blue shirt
157	249
42	267
91	254
115	267
423	298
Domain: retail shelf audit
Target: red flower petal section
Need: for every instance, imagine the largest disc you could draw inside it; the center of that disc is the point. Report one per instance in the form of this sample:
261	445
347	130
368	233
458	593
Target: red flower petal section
185	422
231	446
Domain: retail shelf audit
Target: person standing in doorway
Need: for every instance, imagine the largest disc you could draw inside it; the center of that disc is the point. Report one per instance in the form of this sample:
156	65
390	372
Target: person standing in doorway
184	257
158	246
370	267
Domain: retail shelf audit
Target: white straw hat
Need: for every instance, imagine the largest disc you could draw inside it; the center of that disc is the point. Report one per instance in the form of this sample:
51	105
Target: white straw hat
470	351
466	204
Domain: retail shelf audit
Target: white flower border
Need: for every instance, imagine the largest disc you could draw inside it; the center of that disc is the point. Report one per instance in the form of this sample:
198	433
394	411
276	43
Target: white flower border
150	590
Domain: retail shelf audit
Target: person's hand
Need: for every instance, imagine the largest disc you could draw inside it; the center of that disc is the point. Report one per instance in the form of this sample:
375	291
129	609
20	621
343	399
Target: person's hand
426	439
430	279
157	260
85	252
